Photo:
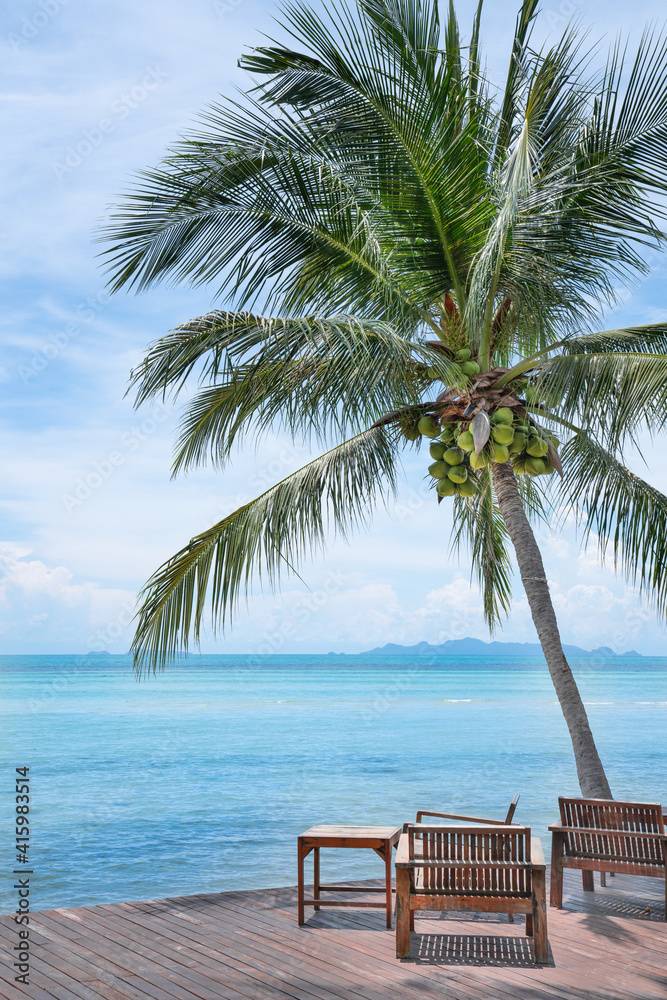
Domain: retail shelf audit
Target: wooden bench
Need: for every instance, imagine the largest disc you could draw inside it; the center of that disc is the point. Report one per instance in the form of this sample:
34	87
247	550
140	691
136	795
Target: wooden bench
497	869
476	819
603	835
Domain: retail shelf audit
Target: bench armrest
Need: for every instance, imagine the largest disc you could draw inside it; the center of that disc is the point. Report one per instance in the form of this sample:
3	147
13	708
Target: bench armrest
557	826
536	853
403	852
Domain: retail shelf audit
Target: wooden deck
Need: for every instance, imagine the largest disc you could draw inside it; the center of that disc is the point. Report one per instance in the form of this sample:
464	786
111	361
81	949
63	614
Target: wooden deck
247	946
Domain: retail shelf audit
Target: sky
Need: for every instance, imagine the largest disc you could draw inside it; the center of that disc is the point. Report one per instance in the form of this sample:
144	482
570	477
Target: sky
91	93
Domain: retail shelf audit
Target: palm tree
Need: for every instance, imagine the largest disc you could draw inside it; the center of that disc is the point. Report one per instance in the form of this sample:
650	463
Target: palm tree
430	258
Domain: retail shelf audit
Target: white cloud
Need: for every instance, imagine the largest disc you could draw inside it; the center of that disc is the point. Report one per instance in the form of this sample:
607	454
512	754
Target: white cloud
43	609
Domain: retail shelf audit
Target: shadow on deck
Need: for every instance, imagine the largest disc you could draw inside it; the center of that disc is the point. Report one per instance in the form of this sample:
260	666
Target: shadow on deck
247	946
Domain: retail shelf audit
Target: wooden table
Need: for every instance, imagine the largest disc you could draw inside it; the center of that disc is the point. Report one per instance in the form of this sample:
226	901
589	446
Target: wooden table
380	839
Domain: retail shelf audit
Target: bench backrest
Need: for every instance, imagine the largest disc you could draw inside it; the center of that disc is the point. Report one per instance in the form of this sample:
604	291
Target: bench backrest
611	830
472	860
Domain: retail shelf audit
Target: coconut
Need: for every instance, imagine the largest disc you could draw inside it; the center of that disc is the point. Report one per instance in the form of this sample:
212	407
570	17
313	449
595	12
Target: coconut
519	466
463	354
518	443
428	427
433	373
537	447
535	466
438	469
478	461
466	441
437	450
554	440
503	415
470	368
445	487
454	456
500	453
467	489
502	433
458	474
548	467
408	425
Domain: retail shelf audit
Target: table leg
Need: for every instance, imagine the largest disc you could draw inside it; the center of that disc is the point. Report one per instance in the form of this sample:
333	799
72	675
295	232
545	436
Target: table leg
387	876
301	907
316	874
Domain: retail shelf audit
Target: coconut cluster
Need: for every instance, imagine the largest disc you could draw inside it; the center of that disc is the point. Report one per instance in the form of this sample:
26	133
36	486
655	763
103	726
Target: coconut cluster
512	437
451	468
462	358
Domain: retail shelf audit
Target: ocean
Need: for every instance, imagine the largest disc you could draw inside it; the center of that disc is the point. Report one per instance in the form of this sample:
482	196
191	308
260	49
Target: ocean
200	778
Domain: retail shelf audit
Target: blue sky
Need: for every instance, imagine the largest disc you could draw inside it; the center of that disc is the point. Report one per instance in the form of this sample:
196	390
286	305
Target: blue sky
91	93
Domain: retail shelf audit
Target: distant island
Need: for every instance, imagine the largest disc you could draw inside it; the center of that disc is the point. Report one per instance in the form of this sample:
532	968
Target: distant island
476	647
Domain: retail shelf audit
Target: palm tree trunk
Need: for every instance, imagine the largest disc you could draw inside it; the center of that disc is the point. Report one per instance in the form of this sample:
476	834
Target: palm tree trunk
592	779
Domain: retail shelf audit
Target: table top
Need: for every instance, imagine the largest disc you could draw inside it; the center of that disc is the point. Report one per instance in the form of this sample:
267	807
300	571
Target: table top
354	832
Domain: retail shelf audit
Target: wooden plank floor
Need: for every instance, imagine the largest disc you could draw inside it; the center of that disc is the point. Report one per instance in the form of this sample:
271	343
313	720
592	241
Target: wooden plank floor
247	946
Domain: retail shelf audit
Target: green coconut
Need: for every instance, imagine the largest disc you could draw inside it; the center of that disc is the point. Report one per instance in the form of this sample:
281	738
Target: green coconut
518	444
409	429
500	453
463	354
470	368
428	427
467	489
458	474
537	447
445	487
519	466
478	461
554	440
503	415
454	456
502	433
465	441
535	467
438	469
448	433
437	449
548	467
433	373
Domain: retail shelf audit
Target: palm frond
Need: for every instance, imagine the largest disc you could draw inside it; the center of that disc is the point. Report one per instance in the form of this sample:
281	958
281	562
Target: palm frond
287	220
628	515
612	394
650	338
308	375
479	525
276	531
515	80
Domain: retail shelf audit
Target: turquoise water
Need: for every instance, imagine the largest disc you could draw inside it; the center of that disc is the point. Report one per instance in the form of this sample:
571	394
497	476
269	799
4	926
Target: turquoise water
200	779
